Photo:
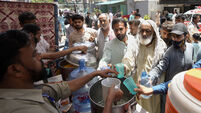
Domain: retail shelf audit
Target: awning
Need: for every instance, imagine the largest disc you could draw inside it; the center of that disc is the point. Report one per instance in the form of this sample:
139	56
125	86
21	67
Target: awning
110	2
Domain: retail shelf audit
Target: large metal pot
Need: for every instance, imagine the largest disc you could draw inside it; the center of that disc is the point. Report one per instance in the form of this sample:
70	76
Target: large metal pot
89	57
90	45
95	95
74	58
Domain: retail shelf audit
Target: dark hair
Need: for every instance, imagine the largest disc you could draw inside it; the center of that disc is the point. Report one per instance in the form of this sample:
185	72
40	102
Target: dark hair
118	20
69	15
163	19
180	16
31	28
77	16
195	16
167	26
196	36
136	22
137	14
10	44
26	16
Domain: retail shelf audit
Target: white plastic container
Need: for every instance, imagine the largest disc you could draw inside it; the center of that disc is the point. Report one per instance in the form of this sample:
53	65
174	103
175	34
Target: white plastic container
180	98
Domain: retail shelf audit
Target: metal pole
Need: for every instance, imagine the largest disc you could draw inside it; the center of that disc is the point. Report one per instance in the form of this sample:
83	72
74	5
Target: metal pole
56	22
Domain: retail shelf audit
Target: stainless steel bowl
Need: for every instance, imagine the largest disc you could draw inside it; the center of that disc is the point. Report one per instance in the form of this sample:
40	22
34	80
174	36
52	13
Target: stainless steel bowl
95	95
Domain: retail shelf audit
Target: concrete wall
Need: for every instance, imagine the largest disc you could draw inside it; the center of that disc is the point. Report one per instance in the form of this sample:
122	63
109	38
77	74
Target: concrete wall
149	7
130	6
142	6
153	7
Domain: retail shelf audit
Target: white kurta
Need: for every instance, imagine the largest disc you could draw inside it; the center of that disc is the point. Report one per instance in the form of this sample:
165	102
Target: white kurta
143	58
114	51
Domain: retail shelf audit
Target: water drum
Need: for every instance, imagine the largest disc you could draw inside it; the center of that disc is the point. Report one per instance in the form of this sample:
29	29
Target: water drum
184	93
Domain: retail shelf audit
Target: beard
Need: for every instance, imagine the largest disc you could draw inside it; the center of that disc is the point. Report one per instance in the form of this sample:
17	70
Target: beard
78	27
168	41
37	75
121	36
145	40
104	27
133	33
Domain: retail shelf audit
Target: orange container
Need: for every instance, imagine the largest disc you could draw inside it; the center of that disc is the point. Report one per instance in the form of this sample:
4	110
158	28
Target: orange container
184	93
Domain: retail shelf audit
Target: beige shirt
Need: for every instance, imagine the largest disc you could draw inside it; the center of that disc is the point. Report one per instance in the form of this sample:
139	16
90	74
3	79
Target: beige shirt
76	36
31	100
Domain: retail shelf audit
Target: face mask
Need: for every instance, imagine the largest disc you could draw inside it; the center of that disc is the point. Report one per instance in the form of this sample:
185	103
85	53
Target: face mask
178	44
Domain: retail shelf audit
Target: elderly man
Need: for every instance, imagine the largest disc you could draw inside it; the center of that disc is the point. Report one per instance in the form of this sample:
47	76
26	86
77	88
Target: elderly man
134	26
105	34
179	56
115	50
150	49
20	68
80	34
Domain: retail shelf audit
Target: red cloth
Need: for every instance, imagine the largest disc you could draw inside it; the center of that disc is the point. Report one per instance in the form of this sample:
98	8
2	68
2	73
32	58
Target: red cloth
9	12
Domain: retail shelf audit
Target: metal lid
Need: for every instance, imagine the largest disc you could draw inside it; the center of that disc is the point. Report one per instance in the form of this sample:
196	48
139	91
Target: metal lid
90	45
89	58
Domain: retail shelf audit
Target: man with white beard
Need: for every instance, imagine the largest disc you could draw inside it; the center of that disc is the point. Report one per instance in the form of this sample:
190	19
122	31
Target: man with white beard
105	34
136	60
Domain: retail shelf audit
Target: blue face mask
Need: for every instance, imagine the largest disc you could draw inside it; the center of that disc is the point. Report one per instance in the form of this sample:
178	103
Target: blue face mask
178	44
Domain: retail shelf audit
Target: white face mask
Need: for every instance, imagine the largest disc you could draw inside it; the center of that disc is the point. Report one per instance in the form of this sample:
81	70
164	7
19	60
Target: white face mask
145	41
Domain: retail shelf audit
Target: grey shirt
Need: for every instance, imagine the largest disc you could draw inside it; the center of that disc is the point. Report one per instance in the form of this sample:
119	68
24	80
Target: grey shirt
173	62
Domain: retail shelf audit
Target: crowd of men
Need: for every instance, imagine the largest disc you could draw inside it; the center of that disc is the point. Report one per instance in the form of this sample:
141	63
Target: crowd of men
141	45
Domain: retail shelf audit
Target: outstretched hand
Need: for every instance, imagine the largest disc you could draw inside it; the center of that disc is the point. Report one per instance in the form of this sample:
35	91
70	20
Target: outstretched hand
115	94
104	73
143	90
92	39
82	48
